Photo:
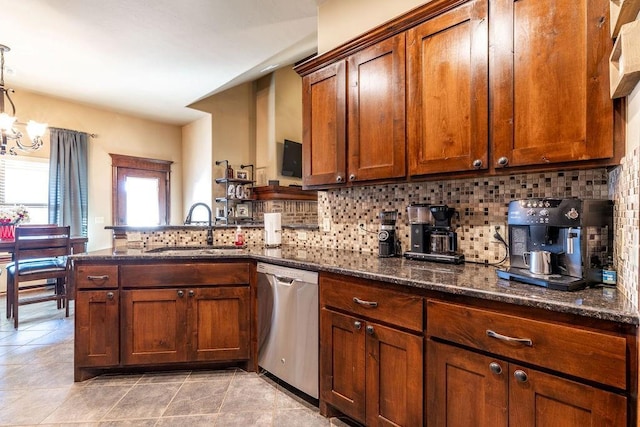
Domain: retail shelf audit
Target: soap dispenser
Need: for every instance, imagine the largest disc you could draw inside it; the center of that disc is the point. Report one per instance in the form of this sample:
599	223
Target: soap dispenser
239	237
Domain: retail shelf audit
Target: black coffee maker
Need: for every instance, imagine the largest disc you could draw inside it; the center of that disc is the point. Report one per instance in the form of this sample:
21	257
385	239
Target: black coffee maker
432	237
387	242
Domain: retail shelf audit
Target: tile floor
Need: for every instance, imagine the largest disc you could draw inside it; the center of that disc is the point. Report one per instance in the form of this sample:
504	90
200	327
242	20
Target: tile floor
37	388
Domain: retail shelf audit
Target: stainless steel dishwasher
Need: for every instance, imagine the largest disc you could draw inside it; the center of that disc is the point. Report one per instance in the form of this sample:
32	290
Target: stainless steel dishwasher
288	342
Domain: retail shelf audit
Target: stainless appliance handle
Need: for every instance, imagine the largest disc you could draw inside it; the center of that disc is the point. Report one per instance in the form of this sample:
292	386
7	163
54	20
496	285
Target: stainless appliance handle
371	304
525	341
286	281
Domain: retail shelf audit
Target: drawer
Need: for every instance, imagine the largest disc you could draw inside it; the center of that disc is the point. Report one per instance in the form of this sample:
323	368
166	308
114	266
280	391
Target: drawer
96	276
375	302
588	354
154	275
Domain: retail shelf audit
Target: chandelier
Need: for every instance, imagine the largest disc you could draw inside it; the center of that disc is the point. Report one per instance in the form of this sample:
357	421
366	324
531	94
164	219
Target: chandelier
8	122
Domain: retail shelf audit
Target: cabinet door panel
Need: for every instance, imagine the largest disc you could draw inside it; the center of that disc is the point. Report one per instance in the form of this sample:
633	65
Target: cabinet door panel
550	81
324	126
154	326
376	122
221	321
547	400
448	91
342	363
394	377
462	390
97	332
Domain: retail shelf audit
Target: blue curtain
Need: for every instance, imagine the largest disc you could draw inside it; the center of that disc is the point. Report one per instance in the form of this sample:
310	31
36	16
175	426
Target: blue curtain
68	182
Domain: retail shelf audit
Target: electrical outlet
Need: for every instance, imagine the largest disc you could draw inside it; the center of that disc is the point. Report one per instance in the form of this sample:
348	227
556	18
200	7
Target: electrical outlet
302	235
362	230
326	224
499	229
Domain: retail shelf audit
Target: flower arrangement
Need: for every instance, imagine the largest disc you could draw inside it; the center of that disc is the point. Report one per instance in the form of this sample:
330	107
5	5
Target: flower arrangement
12	216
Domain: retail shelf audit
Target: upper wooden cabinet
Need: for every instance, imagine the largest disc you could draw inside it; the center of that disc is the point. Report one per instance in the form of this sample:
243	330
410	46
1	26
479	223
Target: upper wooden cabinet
324	126
447	91
549	81
376	111
489	85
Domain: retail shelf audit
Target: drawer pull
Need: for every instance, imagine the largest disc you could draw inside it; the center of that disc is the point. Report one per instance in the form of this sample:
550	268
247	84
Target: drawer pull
371	304
98	278
525	341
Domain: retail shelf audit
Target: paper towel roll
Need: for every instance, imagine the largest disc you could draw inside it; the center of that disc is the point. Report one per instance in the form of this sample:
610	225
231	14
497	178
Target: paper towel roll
272	229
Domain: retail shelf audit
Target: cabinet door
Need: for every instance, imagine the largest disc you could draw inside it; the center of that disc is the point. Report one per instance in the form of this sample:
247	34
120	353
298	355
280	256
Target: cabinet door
539	399
220	322
447	91
155	326
342	363
465	388
97	328
394	387
376	113
324	126
550	81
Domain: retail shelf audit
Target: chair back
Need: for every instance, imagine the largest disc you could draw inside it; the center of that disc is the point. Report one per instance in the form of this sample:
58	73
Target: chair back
44	241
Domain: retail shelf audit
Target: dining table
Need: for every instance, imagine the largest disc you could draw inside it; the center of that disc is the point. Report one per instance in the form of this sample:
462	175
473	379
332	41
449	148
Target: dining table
78	245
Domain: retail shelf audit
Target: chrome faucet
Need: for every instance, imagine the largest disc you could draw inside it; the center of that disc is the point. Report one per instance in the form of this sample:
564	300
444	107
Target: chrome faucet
187	221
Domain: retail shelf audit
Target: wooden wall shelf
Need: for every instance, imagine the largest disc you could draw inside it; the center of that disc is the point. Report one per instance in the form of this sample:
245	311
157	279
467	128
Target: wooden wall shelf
624	63
278	192
622	12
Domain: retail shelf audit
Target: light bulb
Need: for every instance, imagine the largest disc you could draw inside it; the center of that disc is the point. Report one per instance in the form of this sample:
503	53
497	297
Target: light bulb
6	121
36	130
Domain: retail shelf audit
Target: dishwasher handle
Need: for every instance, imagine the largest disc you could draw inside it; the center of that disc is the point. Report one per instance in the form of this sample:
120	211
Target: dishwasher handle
283	280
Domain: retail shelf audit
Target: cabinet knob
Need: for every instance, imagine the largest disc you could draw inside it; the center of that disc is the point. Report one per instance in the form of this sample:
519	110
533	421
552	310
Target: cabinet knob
495	368
520	375
180	294
369	330
110	295
339	178
192	292
352	177
357	325
503	161
477	164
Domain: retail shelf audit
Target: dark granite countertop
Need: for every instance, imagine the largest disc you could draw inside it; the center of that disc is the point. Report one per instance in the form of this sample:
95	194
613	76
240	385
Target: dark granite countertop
468	279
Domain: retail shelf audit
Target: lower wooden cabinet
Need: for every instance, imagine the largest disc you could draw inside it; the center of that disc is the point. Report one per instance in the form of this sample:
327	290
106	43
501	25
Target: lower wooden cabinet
370	372
97	340
466	388
185	324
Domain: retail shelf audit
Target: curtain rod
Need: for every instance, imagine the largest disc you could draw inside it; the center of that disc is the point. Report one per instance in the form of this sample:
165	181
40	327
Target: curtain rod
92	135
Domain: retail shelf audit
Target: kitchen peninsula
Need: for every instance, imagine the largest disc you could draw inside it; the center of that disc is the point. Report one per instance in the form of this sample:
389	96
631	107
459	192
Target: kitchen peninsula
167	308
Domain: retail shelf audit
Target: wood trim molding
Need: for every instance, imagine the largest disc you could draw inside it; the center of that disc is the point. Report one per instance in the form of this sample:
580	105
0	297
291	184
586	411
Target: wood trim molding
122	161
278	192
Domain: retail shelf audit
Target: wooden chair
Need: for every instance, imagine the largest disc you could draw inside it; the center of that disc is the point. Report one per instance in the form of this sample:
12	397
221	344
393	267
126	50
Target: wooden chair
40	254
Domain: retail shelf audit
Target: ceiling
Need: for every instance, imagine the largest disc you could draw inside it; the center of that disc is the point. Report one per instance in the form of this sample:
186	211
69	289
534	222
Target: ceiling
150	58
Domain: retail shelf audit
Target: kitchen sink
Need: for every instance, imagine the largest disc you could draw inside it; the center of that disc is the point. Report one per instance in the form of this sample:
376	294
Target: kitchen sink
198	250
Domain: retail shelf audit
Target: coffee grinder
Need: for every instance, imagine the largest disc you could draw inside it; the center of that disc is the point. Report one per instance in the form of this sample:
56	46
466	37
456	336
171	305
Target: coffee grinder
387	234
559	243
432	237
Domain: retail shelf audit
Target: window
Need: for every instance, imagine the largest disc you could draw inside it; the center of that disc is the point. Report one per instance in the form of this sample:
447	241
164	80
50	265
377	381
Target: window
25	181
141	190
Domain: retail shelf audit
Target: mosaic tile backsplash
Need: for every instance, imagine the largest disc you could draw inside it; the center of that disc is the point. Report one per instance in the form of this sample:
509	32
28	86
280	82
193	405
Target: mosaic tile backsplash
481	206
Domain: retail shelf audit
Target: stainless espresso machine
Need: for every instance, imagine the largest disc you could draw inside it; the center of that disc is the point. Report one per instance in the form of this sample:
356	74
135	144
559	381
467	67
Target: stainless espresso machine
432	237
559	243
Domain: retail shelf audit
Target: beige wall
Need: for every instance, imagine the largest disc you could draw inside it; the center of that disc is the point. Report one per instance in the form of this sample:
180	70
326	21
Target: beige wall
232	128
288	115
342	20
266	168
116	133
197	160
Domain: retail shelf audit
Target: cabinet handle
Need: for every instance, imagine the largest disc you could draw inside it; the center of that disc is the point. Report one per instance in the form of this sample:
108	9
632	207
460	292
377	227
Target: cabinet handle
371	304
339	178
521	376
495	368
110	295
477	163
180	294
503	161
357	325
369	330
192	292
525	341
98	278
352	177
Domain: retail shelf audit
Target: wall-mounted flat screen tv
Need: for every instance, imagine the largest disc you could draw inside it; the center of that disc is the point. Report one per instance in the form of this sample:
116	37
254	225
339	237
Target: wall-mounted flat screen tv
292	159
